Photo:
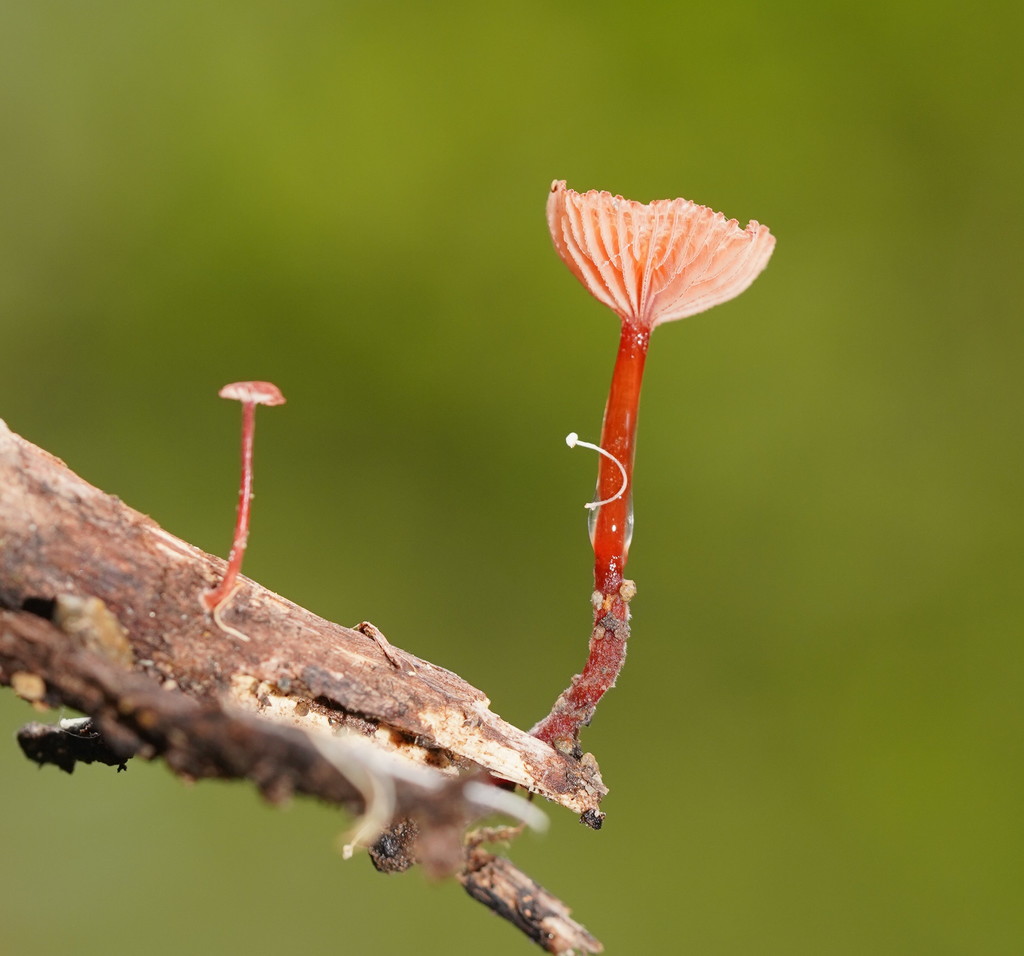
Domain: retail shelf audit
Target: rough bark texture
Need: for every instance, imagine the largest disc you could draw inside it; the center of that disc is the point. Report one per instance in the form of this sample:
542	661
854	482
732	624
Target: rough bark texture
499	885
100	611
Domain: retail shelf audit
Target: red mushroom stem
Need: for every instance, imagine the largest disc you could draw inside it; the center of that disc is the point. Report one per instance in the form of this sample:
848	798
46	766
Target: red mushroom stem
217	596
612	530
614	521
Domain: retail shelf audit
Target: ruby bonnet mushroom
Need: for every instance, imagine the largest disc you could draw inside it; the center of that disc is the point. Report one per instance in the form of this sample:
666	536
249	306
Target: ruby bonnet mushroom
250	394
649	263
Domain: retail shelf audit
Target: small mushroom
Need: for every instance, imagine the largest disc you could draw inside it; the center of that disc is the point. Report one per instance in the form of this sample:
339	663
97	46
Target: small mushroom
650	263
250	394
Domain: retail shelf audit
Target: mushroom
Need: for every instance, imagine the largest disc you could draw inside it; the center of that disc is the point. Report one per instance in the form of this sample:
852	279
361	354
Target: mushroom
250	394
649	263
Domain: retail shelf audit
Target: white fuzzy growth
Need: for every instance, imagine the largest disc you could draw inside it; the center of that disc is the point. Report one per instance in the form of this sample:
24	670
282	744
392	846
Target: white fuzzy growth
375	774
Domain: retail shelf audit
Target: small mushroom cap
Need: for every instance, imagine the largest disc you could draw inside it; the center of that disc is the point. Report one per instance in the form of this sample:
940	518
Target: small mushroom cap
256	393
654	262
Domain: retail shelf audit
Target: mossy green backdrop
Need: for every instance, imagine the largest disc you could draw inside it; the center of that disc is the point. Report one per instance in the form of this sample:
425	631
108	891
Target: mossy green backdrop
816	745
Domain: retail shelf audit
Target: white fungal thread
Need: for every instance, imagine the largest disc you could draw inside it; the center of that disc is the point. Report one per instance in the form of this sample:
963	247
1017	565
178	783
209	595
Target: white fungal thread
572	440
377	776
219	621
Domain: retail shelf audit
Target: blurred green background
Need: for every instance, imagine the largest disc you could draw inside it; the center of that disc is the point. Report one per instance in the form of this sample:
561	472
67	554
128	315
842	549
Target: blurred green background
816	745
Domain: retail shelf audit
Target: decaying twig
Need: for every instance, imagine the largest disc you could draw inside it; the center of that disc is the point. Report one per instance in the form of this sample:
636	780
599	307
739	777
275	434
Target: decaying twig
99	611
499	885
67	743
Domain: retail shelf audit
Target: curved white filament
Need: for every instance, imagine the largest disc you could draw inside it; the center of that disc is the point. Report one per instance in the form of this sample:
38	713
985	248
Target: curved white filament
572	440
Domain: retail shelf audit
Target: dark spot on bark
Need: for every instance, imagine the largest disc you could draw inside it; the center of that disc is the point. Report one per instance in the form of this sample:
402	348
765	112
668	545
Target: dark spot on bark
394	851
40	607
593	819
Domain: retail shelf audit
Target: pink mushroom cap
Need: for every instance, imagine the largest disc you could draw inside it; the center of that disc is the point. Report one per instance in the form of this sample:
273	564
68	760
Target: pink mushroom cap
255	393
654	262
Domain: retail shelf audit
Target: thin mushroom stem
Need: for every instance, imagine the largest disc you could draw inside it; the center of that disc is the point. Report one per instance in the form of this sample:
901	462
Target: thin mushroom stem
213	599
611	531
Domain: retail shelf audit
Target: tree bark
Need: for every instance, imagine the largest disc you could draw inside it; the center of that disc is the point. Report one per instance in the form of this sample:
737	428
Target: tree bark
100	611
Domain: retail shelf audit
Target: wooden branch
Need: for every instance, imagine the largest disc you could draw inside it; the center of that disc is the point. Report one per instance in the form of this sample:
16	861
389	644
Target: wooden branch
499	885
103	614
